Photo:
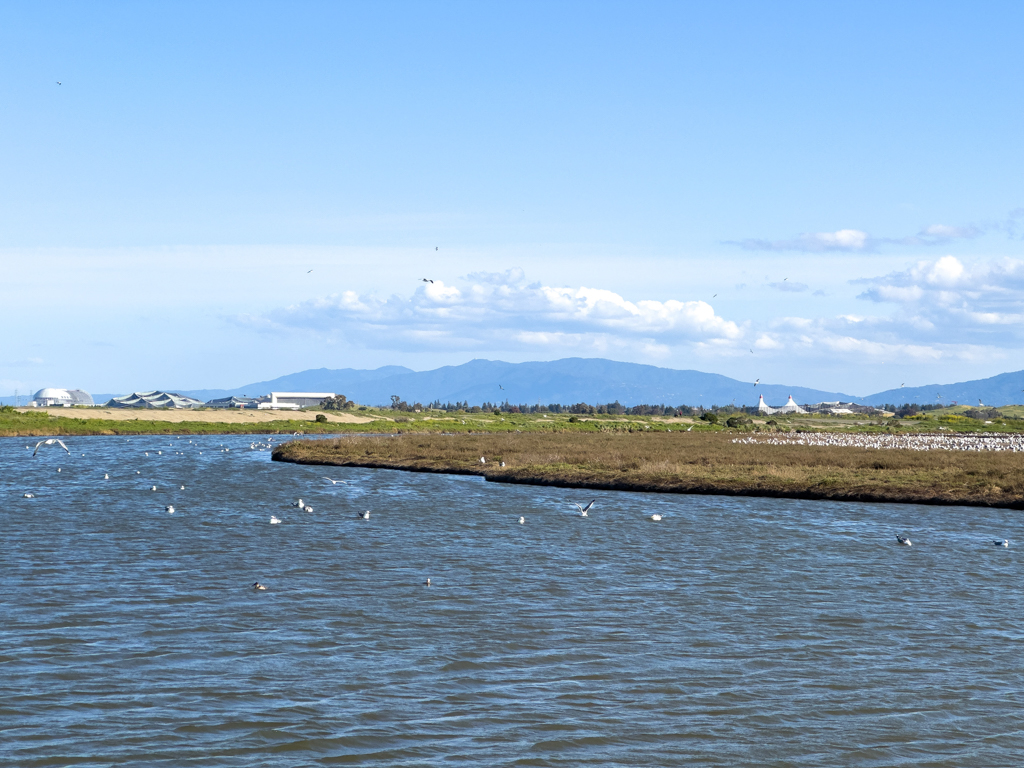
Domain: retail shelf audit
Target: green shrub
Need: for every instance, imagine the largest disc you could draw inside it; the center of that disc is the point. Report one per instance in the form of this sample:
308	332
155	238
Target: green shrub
321	417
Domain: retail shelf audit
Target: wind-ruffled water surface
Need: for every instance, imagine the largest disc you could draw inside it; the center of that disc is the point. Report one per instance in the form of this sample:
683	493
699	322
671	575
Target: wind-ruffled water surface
735	631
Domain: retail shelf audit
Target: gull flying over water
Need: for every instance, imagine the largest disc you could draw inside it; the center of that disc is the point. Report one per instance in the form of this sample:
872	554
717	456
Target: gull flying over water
757	382
335	482
51	441
586	509
426	280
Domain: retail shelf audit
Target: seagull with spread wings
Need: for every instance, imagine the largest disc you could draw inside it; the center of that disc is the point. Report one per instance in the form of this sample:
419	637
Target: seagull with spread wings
51	441
586	509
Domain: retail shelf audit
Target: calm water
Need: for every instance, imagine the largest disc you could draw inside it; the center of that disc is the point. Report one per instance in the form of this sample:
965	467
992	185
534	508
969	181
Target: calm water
734	632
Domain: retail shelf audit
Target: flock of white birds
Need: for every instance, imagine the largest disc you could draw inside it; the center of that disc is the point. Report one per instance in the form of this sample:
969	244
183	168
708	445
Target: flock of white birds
299	504
951	442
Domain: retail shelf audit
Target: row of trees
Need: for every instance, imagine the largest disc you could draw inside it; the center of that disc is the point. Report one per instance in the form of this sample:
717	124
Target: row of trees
340	402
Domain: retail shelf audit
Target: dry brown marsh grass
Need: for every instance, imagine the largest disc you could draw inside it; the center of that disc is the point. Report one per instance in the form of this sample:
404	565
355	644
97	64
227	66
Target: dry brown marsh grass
689	463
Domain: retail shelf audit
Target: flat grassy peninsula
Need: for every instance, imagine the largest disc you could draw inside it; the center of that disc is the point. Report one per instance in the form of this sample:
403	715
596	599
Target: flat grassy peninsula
681	462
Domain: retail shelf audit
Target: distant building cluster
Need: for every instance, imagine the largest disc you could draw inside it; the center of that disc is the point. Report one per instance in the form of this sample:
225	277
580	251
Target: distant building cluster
290	401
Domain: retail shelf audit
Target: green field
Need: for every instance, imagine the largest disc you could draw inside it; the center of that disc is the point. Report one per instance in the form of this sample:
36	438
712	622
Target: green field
79	422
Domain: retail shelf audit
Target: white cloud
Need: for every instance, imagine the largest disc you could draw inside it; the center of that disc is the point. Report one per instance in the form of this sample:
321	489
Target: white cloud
497	310
851	240
858	241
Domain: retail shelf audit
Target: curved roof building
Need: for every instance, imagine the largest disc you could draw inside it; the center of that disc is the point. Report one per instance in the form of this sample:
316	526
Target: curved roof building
153	400
50	396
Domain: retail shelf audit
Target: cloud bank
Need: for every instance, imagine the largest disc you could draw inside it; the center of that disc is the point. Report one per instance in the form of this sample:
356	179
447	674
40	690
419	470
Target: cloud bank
936	311
501	310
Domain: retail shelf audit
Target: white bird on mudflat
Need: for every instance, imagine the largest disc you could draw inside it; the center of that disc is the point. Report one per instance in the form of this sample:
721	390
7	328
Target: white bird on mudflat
691	427
522	520
501	464
363	515
483	460
903	540
170	509
1001	542
51	441
335	482
584	510
274	520
655	517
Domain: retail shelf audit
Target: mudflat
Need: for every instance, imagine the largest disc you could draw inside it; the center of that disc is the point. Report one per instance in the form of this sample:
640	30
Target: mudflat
681	462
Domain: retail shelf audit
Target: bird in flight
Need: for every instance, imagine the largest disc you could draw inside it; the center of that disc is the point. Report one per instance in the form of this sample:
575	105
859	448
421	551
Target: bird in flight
51	441
584	510
435	247
714	296
751	351
59	82
500	387
309	271
335	482
757	382
427	280
902	386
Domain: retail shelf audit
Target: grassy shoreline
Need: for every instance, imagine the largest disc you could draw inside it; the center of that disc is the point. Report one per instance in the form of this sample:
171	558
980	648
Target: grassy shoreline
687	463
85	421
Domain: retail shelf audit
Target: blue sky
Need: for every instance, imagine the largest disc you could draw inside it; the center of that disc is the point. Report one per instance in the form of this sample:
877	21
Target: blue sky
818	194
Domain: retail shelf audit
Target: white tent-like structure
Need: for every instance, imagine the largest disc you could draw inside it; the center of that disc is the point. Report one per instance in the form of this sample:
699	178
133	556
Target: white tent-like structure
153	400
789	407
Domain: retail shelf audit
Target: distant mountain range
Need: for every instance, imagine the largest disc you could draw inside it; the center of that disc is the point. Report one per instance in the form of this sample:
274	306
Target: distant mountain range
590	380
595	380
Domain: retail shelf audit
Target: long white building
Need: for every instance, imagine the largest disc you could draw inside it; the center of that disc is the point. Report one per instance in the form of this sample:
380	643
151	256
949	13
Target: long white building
292	401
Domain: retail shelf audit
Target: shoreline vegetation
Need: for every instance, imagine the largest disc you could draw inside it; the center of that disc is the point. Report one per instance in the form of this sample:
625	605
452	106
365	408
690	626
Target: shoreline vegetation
687	463
16	422
692	453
